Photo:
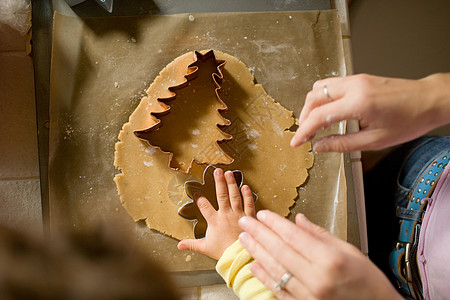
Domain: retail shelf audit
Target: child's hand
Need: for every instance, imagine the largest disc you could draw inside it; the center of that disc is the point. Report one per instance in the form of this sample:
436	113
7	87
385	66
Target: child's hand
223	229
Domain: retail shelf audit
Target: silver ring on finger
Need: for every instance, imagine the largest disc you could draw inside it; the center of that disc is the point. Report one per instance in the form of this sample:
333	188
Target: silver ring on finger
325	91
283	281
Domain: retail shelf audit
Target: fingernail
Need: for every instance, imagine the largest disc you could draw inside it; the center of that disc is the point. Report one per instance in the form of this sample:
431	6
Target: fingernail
229	174
262	215
180	245
244	222
243	238
320	147
218	171
293	142
300	217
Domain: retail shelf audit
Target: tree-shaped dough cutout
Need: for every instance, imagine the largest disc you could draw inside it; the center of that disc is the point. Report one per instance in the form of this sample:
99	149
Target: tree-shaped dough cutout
189	128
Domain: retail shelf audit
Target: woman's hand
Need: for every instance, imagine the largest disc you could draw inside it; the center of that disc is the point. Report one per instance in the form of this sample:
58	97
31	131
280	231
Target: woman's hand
223	228
390	111
323	266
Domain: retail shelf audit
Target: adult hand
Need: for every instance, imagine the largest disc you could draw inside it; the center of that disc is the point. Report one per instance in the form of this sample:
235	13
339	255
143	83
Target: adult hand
323	266
390	111
223	229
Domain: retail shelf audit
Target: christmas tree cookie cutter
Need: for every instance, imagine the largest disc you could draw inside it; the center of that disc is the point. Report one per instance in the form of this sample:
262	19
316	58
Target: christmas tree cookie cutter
154	133
190	211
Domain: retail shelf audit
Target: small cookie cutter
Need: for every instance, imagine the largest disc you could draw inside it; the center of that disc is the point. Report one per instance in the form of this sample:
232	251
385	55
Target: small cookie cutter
190	211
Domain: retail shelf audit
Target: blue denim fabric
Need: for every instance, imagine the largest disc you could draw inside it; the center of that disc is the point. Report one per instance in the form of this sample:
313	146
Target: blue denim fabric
387	186
421	153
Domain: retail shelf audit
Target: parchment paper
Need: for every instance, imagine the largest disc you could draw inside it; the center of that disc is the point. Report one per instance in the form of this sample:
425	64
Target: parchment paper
101	67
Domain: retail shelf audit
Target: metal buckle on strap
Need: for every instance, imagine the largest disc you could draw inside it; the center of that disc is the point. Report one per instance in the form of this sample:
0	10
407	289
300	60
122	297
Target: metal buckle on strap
407	271
403	259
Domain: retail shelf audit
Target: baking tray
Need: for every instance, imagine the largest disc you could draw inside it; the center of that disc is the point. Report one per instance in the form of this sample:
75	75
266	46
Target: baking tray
189	277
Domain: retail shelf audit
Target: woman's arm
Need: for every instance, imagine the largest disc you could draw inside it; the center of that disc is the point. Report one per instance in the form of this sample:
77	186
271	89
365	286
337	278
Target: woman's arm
390	111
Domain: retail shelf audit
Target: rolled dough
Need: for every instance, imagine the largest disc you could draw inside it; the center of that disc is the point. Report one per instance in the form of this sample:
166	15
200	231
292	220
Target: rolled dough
151	191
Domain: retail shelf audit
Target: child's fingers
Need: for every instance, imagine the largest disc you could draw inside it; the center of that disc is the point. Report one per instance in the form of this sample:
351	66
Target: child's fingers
221	189
249	202
206	208
192	245
233	191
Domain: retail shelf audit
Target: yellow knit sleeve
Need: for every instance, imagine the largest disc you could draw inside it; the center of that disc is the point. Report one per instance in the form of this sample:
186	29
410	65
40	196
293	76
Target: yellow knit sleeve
234	267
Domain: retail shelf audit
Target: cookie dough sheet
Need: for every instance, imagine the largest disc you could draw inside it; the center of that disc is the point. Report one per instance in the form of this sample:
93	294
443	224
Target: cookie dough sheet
101	68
